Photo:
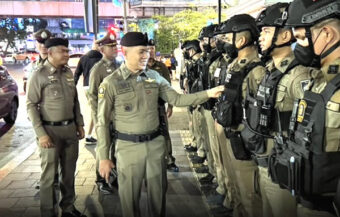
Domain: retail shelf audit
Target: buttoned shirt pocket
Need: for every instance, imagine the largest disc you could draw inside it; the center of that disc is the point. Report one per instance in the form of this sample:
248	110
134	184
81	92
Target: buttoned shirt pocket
151	94
54	90
281	99
126	103
332	138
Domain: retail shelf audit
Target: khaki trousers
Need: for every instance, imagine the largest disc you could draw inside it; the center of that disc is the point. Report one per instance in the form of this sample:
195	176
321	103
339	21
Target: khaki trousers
65	154
277	202
248	200
137	162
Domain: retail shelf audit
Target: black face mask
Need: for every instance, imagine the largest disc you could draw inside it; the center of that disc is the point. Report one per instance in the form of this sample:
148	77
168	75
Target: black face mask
220	46
305	55
186	55
230	50
207	48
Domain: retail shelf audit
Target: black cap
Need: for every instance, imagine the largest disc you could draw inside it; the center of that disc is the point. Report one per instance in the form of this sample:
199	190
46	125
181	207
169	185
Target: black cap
42	35
194	44
221	28
56	42
274	15
207	31
309	12
131	39
108	39
240	23
151	42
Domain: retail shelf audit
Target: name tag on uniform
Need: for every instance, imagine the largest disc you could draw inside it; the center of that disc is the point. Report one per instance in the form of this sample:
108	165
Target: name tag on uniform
217	72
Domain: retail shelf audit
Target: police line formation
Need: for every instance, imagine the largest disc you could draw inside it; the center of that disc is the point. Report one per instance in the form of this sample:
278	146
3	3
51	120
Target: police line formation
265	117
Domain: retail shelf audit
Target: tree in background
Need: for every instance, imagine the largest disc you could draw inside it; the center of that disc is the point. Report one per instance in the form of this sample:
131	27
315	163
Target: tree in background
184	25
12	29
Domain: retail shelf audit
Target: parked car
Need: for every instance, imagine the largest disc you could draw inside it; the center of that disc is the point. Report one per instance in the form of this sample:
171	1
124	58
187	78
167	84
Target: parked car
9	58
74	59
9	100
26	56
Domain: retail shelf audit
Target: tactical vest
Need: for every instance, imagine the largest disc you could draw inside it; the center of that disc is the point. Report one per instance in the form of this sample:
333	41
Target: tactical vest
260	112
229	105
192	75
300	164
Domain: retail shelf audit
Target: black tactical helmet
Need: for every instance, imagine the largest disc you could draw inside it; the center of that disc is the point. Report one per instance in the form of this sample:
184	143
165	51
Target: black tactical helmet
309	12
274	15
194	44
240	23
207	31
221	28
184	44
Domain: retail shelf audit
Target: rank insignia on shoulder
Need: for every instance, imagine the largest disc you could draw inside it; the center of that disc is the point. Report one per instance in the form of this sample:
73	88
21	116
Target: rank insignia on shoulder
301	110
284	63
333	69
101	92
150	80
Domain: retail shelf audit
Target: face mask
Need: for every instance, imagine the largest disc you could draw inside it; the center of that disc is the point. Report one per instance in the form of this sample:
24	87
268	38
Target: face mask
305	55
220	46
230	50
186	55
207	48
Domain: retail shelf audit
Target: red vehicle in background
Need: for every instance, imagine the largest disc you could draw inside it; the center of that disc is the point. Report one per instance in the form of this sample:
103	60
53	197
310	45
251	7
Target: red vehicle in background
26	56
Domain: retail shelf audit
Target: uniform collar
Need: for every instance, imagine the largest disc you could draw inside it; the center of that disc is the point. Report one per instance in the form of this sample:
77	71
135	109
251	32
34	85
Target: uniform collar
50	67
331	70
127	72
285	62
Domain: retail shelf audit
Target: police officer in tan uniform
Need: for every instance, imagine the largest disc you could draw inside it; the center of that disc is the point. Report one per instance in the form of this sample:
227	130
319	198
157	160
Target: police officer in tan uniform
132	94
103	68
164	113
316	27
40	36
243	73
53	108
285	81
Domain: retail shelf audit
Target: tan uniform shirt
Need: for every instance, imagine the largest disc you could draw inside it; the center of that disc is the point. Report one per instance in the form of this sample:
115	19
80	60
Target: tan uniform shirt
52	96
161	69
134	101
98	72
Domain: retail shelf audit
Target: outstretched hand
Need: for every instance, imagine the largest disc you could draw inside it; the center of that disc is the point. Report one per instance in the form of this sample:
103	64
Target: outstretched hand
215	92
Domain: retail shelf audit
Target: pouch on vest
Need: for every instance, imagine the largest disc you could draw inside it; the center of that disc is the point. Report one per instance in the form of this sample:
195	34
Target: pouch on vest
239	150
224	111
255	142
318	171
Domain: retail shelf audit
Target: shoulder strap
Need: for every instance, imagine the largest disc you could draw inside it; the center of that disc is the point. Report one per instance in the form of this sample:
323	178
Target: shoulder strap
330	88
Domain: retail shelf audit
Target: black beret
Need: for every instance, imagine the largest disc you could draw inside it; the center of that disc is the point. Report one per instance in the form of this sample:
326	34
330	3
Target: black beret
131	39
56	42
42	35
109	39
151	42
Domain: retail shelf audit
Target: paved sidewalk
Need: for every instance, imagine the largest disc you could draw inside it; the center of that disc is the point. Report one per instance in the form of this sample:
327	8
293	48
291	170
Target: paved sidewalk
18	196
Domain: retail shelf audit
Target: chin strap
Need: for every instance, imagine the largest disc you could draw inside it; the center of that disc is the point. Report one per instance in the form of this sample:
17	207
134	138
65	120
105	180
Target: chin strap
330	50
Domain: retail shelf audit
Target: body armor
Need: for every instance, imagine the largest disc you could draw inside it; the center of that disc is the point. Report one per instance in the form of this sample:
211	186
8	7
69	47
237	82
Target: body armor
300	164
260	114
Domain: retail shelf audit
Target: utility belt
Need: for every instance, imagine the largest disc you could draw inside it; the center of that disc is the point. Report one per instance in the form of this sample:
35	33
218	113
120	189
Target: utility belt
261	161
137	138
58	123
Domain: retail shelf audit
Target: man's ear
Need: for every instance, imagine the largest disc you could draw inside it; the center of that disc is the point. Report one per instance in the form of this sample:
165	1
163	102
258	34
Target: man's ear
286	36
330	32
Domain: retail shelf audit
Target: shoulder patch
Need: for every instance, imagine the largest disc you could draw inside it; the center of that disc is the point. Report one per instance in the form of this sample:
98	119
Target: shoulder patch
101	91
304	85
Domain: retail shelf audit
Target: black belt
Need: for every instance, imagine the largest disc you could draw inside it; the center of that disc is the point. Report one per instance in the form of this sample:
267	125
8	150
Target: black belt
58	123
137	137
262	161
